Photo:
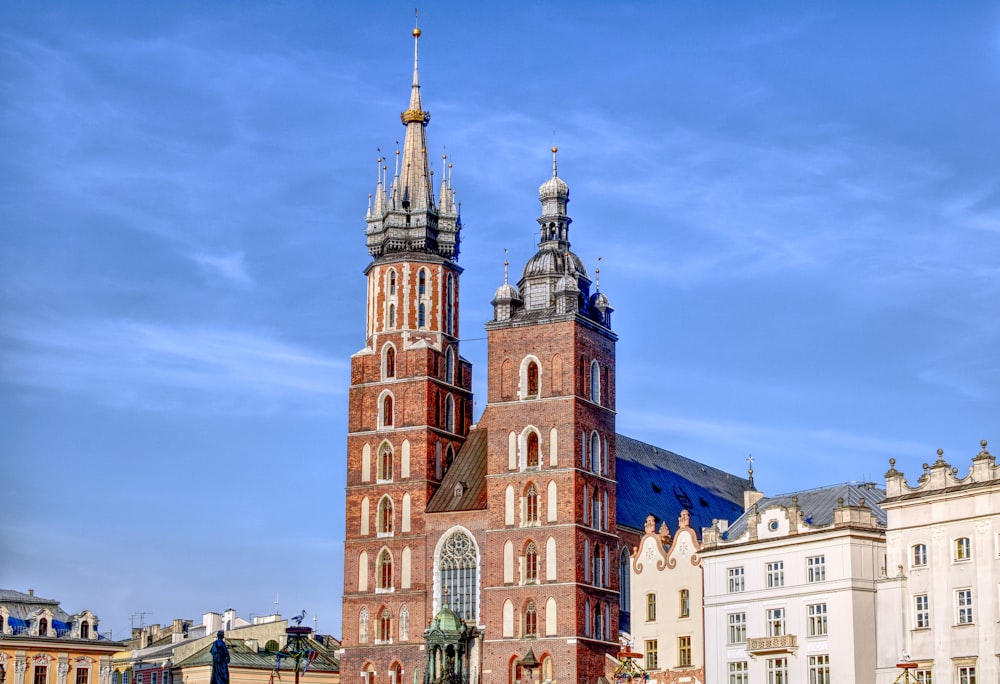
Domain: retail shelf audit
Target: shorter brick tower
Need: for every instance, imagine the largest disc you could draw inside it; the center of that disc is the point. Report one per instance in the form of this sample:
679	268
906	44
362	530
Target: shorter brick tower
410	409
550	481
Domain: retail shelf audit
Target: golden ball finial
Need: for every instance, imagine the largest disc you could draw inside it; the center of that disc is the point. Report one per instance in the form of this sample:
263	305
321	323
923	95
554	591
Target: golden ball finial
416	32
554	149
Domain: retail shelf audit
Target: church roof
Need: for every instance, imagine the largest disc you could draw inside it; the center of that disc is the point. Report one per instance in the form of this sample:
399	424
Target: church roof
463	487
651	480
654	481
817	505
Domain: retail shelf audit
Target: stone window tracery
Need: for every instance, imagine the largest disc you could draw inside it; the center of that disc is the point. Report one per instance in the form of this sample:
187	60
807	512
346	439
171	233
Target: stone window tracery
458	573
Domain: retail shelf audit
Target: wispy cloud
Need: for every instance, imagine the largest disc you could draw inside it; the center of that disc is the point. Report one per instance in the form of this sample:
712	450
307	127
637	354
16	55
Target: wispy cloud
226	266
151	366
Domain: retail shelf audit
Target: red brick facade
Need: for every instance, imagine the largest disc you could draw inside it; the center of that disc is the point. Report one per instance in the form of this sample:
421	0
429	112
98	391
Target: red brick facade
535	507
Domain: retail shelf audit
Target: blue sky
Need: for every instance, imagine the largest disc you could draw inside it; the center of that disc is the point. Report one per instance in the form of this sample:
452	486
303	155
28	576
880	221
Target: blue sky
797	207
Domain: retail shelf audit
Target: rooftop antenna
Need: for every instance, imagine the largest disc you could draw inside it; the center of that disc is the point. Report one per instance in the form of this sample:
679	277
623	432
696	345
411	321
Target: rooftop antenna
276	611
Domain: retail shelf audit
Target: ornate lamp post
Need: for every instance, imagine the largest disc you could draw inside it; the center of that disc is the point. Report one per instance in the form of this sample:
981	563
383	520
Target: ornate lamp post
298	647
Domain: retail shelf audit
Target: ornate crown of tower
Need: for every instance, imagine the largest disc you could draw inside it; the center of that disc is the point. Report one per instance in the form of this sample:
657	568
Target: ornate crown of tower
554	282
405	218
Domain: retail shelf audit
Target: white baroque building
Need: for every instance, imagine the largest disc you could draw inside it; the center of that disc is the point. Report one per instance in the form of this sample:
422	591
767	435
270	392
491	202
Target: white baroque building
790	588
937	606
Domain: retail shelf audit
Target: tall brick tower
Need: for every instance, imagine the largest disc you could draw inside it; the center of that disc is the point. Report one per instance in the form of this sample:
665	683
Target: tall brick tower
551	533
410	407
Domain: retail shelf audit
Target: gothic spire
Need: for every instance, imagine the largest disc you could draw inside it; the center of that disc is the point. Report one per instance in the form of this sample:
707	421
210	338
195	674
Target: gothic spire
405	218
416	172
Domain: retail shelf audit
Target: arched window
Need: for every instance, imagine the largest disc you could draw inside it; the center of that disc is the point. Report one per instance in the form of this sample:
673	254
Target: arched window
385	626
385	571
421	316
387	411
449	457
392	316
532	380
422	282
385	460
392	282
586	504
595	452
531	505
586	618
595	382
547	668
449	366
390	362
963	549
531	563
43	627
530	620
624	584
449	413
598	621
396	673
458	579
449	304
404	623
919	555
385	515
531	443
363	626
84	629
595	509
685	603
605	521
598	565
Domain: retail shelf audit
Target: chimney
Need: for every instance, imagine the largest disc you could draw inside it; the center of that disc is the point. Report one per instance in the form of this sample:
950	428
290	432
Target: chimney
31	592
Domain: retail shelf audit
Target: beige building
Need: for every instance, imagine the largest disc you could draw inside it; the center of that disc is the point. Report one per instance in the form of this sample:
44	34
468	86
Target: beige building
937	606
40	643
666	615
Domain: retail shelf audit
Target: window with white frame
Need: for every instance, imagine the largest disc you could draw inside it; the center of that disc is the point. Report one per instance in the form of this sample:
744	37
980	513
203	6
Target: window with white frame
736	583
816	569
921	611
737	628
963	604
739	673
776	574
775	622
777	671
816	619
967	674
819	669
919	555
923	676
963	549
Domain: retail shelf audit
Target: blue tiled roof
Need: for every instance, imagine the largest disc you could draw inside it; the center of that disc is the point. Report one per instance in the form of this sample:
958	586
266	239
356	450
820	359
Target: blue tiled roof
655	481
817	505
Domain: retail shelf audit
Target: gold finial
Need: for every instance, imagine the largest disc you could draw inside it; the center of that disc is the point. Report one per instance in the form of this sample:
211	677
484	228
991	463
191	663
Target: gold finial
554	150
597	275
506	263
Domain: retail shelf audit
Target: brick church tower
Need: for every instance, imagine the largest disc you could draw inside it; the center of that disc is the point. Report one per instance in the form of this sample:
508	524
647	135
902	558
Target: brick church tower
410	407
551	584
